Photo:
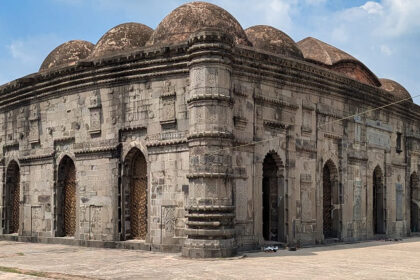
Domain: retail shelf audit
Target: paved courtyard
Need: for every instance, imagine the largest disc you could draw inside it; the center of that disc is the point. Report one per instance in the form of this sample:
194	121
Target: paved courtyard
369	260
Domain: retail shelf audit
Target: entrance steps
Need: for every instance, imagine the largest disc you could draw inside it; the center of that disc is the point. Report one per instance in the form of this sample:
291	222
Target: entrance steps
273	244
381	237
130	244
330	241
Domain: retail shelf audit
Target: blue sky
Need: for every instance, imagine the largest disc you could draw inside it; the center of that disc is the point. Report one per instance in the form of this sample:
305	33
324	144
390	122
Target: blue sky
383	34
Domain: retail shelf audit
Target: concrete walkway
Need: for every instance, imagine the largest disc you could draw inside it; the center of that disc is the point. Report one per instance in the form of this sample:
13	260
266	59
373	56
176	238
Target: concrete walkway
369	260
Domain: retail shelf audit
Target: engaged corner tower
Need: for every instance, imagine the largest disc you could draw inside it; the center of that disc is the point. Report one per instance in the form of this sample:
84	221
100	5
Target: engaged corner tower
210	33
210	207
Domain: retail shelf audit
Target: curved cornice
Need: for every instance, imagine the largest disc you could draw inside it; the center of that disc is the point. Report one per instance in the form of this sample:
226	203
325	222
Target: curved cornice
172	60
116	70
312	77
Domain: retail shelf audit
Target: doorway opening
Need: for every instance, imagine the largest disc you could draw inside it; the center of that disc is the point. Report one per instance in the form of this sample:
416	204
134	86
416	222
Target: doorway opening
330	198
379	196
135	196
12	198
414	203
273	197
66	198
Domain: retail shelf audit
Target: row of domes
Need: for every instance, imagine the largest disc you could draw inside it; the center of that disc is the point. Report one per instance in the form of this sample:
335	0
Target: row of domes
191	17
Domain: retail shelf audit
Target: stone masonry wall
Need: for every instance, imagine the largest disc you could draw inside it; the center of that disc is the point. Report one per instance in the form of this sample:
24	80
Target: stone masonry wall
204	130
355	145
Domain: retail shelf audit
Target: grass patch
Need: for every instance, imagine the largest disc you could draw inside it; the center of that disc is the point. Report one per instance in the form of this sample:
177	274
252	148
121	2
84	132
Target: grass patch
8	269
20	254
20	271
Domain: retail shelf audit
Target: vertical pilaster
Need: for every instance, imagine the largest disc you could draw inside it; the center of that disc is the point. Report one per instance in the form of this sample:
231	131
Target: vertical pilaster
344	194
2	198
210	206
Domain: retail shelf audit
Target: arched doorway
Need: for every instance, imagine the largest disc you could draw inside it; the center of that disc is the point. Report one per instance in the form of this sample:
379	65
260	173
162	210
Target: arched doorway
66	198
330	198
12	198
135	196
414	203
379	195
273	196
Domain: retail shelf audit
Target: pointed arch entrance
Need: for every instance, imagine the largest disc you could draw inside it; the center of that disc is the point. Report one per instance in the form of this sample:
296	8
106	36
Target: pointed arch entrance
379	202
330	198
414	203
66	198
273	197
12	198
134	196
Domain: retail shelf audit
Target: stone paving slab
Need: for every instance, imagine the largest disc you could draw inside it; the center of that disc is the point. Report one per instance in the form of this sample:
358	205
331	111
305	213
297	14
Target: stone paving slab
368	260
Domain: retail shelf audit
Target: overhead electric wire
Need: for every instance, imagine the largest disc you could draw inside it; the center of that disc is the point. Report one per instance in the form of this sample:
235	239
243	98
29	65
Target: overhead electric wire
330	122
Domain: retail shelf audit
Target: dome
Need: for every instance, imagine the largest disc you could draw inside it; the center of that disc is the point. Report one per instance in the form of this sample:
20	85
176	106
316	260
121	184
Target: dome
397	90
67	54
270	39
123	37
320	52
337	60
192	17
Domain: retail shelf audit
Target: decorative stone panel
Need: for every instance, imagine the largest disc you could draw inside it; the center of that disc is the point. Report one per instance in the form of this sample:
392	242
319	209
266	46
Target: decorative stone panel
399	199
168	220
167	109
378	138
34	124
307	197
357	200
95	109
306	121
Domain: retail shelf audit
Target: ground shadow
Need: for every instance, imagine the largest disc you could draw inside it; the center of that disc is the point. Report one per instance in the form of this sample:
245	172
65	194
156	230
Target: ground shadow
313	250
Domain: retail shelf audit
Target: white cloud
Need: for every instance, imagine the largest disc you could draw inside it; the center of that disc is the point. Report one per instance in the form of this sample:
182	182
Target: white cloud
19	51
402	17
278	13
386	50
69	2
339	34
315	2
26	55
372	7
391	18
31	50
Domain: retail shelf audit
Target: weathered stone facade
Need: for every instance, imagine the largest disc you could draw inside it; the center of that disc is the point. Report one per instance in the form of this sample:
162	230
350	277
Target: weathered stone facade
196	141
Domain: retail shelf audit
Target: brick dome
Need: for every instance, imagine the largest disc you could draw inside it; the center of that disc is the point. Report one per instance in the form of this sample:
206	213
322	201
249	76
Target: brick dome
397	90
270	39
123	37
67	54
191	17
323	54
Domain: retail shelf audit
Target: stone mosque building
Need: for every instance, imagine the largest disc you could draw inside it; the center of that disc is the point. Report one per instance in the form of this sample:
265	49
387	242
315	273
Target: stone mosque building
203	138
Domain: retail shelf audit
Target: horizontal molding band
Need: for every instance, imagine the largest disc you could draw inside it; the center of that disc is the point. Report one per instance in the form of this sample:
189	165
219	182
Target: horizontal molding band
211	134
208	175
221	208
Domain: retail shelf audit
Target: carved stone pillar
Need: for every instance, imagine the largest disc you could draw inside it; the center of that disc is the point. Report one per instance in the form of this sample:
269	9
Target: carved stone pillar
210	209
